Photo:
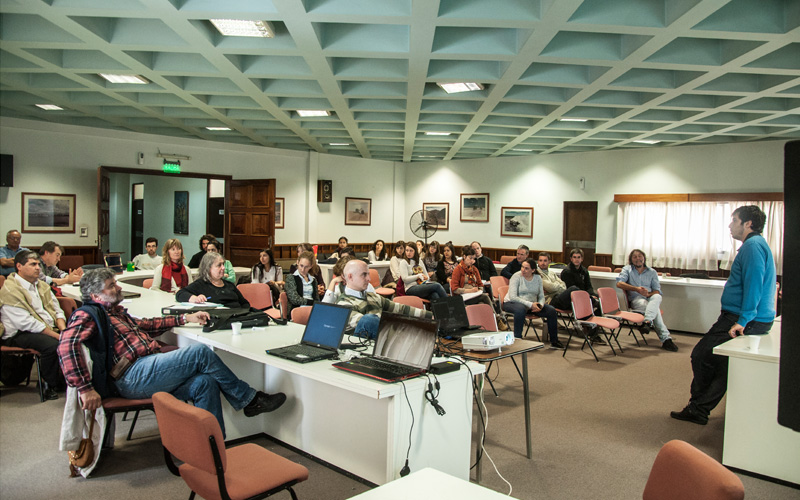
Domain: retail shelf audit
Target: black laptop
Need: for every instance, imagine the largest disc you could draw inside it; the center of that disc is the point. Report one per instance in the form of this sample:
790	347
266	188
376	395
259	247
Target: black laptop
451	313
403	349
322	336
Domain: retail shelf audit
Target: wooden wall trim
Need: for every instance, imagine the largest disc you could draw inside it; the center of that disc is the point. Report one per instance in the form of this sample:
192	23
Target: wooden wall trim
631	198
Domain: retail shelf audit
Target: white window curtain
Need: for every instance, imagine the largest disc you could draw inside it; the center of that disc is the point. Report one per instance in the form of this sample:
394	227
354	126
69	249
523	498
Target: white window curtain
689	235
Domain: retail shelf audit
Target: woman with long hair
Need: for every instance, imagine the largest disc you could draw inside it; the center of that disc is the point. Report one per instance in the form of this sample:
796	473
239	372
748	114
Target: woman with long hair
378	252
445	266
267	271
301	286
415	276
397	258
211	285
171	275
431	259
315	271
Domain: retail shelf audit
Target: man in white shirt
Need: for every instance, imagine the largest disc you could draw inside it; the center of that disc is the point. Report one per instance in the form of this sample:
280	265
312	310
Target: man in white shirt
32	319
151	259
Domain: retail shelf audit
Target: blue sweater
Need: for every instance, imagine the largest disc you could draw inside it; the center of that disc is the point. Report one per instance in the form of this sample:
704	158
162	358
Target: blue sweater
750	290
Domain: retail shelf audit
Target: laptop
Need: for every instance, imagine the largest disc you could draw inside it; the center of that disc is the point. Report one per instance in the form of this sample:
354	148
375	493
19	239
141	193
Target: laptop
451	313
322	336
403	349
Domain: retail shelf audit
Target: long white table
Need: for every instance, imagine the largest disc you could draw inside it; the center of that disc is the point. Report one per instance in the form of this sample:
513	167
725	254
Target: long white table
137	277
753	440
352	422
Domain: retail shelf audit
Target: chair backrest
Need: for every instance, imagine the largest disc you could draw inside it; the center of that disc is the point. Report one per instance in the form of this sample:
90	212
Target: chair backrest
505	259
283	300
258	294
300	314
410	300
497	282
501	293
600	269
68	305
581	304
185	432
609	302
70	262
483	315
147	283
374	278
682	471
617	269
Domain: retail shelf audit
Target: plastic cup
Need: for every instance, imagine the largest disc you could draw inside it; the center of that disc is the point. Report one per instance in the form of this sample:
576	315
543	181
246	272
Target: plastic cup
751	342
237	328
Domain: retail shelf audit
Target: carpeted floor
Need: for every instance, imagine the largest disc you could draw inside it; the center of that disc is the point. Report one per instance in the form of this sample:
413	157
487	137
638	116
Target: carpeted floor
597	429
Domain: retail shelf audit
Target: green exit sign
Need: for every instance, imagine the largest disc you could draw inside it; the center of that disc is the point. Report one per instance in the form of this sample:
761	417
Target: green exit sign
172	167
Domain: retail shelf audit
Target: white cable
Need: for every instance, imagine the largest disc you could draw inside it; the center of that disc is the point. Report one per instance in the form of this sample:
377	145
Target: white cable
483	448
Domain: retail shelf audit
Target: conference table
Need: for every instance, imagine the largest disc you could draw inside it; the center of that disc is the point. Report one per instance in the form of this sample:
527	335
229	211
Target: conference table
687	305
137	277
359	425
753	440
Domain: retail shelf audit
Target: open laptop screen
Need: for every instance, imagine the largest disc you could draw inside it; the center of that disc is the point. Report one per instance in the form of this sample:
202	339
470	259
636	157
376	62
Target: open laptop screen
326	325
406	340
450	312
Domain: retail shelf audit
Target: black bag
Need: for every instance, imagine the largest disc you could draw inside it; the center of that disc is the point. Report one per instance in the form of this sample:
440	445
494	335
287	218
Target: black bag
15	368
222	319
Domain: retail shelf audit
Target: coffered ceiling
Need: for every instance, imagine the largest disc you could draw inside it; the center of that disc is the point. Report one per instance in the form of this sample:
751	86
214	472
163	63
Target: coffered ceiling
674	71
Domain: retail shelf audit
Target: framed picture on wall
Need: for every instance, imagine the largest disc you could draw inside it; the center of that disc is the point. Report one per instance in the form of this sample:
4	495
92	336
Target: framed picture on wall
442	212
474	207
48	213
181	219
516	221
358	211
279	213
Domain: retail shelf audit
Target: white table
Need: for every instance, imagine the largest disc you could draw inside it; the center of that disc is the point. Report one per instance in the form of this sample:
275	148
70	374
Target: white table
137	277
327	269
430	484
753	440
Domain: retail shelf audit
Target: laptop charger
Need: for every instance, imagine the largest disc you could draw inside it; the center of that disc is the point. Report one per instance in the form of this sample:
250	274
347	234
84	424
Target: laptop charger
444	367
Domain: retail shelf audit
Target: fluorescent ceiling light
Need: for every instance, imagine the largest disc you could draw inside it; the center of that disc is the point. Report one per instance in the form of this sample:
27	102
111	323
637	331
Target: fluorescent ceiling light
427	156
313	112
646	141
50	107
218	128
452	88
243	27
125	78
526	150
339	144
437	133
573	120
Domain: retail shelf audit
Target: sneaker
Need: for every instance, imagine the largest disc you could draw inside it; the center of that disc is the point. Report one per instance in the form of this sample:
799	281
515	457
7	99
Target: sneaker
646	326
689	415
669	345
556	345
263	403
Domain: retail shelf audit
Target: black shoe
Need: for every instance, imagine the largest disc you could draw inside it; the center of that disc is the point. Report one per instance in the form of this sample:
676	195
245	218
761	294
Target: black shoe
597	340
646	325
50	394
556	345
263	403
689	415
669	345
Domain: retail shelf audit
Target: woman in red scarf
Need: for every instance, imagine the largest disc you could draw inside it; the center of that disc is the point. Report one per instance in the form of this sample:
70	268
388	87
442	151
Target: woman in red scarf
171	275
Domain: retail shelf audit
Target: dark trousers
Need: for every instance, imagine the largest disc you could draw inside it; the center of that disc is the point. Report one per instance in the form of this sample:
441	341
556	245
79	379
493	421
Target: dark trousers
46	345
563	300
711	370
519	311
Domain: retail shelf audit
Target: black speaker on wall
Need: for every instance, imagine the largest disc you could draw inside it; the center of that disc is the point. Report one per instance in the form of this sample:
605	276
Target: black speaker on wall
6	170
788	387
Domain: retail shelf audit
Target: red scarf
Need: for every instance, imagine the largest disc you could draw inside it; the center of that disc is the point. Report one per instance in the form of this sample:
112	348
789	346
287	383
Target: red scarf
176	271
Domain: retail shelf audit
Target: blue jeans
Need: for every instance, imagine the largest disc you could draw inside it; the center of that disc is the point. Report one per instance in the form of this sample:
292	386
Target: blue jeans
194	373
651	308
368	326
430	291
519	311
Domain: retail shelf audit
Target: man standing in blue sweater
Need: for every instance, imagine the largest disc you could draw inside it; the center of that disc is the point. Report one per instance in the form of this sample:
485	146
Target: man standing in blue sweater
748	308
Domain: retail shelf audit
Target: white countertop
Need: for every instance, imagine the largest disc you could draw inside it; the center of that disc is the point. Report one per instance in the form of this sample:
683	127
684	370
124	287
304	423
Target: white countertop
769	347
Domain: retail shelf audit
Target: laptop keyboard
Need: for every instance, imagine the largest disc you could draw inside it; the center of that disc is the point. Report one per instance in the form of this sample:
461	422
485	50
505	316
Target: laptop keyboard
308	350
389	367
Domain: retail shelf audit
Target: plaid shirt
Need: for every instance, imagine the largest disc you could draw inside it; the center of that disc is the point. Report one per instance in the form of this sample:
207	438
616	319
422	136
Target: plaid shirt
131	339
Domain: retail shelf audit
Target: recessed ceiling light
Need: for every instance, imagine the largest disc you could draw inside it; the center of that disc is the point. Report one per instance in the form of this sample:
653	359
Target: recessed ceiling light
125	78
244	27
525	150
646	141
452	88
339	144
50	107
437	133
313	112
218	128
573	120
427	156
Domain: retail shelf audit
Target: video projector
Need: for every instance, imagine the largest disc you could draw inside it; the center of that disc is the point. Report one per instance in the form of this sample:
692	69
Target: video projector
487	341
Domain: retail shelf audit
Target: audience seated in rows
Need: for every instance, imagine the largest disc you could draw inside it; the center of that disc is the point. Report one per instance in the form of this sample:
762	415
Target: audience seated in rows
211	285
415	276
467	279
526	296
171	275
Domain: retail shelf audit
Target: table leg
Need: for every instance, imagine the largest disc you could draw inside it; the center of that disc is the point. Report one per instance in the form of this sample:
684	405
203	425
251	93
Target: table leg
479	461
527	398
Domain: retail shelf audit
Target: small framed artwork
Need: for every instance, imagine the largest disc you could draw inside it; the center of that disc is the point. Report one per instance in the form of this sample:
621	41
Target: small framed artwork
442	213
358	211
474	207
279	213
516	221
48	213
181	220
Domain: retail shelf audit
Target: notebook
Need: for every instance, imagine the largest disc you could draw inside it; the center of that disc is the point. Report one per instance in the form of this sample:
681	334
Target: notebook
451	313
403	349
322	336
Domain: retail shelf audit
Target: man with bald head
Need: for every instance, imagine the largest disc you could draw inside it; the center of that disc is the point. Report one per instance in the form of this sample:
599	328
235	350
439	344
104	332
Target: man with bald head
368	306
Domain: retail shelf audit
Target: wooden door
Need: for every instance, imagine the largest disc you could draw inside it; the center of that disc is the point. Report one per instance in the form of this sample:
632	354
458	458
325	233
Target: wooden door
580	229
250	216
103	211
